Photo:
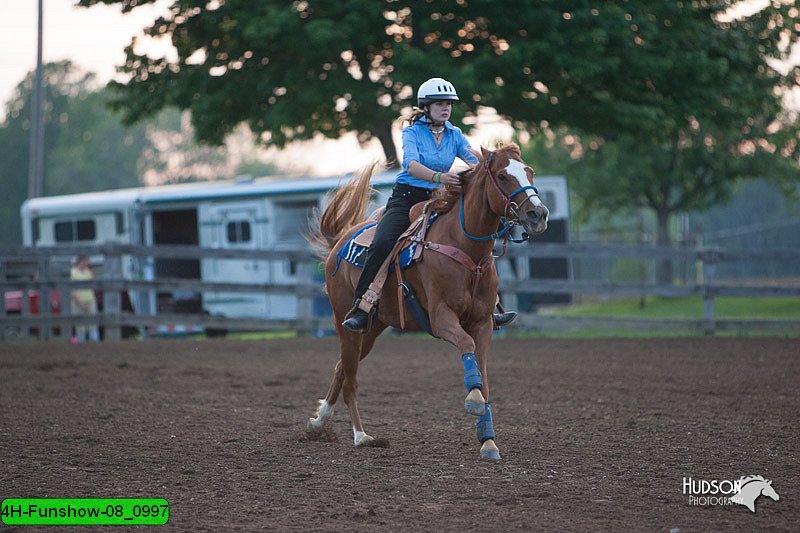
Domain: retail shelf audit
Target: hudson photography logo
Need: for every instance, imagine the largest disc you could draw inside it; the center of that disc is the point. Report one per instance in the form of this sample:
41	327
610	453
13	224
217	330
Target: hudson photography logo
743	491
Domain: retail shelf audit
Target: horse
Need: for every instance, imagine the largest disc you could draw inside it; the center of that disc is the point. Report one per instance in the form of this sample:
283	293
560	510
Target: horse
751	487
458	291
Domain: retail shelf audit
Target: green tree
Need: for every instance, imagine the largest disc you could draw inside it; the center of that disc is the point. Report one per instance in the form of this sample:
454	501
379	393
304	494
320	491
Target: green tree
293	69
60	80
94	151
86	146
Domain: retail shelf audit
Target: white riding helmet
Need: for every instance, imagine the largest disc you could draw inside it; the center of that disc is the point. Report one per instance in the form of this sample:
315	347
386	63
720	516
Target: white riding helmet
435	89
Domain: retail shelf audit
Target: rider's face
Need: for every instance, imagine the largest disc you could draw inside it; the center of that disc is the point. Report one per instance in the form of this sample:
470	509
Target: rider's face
440	111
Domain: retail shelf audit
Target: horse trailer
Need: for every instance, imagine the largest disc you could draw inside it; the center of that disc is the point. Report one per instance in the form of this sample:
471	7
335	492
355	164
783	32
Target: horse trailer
256	214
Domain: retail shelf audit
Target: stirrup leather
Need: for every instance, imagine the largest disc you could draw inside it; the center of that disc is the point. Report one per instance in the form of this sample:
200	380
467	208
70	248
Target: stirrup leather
369	300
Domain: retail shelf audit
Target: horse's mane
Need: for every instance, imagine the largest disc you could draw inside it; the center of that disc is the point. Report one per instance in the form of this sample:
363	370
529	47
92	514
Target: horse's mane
445	198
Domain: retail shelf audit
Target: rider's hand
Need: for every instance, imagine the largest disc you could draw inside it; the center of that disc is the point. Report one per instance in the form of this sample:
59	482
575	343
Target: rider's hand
452	180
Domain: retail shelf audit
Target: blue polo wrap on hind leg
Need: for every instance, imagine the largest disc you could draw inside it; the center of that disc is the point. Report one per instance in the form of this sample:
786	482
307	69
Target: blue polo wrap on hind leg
484	426
472	376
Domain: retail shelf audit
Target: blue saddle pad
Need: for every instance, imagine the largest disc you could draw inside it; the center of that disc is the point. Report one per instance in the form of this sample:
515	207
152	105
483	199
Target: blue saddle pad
356	255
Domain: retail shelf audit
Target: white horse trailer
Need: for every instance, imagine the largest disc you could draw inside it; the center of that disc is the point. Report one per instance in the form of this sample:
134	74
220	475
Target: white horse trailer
260	214
256	214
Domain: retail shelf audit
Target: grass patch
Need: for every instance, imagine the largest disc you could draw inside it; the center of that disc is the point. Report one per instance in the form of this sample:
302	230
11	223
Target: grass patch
687	307
621	333
261	335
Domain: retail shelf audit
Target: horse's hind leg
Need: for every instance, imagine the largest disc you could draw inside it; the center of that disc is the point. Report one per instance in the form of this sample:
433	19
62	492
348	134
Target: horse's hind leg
325	408
349	384
349	343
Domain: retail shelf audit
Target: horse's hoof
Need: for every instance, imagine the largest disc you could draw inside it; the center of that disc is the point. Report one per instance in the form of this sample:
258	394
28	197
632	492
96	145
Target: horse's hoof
475	404
365	441
489	451
313	426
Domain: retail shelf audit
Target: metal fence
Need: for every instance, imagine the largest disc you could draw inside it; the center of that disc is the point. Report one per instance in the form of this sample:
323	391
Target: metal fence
43	274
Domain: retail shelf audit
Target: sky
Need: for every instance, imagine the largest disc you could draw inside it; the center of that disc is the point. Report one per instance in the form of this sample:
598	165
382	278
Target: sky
93	38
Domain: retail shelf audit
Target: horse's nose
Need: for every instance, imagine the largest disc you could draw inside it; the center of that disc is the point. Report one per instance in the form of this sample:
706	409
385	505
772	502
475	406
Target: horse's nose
536	216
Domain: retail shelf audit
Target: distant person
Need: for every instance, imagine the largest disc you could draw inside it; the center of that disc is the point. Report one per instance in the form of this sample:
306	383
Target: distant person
83	300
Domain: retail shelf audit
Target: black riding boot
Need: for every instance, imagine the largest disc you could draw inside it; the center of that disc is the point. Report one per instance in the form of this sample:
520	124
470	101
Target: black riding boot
357	321
503	317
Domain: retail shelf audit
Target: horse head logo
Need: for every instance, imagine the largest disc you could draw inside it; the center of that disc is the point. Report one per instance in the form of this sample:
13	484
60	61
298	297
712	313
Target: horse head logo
751	487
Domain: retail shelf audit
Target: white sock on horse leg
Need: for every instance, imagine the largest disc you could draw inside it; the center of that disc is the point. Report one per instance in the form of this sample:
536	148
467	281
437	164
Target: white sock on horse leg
359	437
324	411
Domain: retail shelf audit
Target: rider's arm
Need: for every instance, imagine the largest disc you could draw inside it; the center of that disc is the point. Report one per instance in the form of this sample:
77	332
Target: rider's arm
418	170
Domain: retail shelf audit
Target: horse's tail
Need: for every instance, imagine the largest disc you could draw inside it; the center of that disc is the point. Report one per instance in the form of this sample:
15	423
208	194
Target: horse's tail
346	208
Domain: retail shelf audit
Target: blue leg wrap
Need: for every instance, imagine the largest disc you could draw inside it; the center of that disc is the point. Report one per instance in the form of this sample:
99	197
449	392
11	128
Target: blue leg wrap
484	425
472	376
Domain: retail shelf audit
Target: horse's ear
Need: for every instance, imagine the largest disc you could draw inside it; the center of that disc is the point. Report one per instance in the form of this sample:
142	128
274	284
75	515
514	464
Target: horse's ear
484	152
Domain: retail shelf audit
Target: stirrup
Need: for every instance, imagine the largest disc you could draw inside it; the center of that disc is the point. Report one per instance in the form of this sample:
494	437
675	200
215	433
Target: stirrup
357	321
503	319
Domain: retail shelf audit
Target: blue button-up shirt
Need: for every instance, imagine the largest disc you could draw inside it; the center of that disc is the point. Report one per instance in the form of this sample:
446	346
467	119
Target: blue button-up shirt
420	146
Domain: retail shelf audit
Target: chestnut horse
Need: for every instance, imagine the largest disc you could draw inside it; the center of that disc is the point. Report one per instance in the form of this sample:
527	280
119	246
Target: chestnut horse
457	290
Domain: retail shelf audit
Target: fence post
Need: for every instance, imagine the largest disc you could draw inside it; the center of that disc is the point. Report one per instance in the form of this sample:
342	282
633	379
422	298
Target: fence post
709	261
112	302
45	307
65	310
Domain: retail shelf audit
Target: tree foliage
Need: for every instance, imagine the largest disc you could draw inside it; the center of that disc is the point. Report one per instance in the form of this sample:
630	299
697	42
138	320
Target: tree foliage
606	68
86	146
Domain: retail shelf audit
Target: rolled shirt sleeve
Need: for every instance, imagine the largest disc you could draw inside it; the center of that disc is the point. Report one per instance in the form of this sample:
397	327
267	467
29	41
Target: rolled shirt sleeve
410	147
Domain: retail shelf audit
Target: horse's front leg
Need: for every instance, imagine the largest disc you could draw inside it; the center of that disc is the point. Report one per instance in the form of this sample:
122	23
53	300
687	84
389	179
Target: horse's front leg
482	333
446	326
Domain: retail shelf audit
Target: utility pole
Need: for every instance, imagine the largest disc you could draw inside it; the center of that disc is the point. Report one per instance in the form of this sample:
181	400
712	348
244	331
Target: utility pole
36	159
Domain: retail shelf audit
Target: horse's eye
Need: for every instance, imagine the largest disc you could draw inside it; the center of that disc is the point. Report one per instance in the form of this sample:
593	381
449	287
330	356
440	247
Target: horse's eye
503	177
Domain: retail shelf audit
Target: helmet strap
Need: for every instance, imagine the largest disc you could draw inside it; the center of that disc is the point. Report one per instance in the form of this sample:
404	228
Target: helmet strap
432	122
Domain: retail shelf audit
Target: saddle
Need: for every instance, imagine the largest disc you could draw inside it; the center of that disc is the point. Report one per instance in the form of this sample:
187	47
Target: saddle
405	253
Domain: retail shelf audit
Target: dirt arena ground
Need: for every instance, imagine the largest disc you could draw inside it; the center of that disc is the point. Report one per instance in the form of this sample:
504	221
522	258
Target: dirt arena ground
596	435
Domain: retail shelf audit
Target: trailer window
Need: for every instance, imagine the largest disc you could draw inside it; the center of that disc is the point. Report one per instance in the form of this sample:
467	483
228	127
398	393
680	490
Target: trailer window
119	222
238	231
75	230
291	220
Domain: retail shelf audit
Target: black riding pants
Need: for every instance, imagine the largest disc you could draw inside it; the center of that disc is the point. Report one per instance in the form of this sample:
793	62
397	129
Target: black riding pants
391	225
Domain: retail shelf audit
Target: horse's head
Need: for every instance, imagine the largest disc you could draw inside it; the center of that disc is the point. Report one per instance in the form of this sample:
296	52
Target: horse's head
510	190
767	490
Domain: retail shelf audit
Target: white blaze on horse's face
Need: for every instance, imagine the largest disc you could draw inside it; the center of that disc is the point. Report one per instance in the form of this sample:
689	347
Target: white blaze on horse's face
517	169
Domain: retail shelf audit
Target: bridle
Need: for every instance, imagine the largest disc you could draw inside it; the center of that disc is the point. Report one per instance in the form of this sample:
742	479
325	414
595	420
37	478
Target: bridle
511	213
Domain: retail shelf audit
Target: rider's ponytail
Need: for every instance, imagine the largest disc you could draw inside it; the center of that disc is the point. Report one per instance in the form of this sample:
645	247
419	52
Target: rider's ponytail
415	116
